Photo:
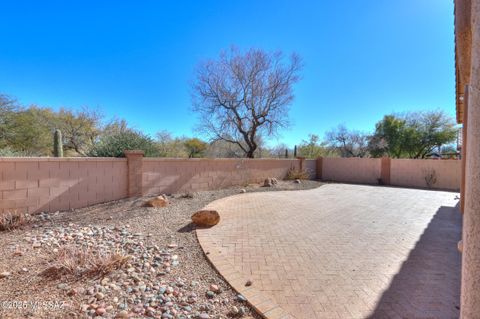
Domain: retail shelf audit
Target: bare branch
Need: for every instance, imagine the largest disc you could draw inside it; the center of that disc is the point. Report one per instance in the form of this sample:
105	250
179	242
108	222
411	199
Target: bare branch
242	97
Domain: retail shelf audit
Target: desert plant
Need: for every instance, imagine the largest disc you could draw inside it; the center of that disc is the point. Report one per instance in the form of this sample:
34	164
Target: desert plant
84	261
57	143
286	153
115	144
8	152
12	220
430	176
294	173
295	151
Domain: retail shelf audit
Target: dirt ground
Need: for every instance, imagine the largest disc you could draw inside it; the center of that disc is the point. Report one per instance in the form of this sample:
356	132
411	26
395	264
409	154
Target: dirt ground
182	285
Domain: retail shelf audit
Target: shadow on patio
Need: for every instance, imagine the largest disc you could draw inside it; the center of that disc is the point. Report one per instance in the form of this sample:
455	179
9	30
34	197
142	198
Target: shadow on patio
428	283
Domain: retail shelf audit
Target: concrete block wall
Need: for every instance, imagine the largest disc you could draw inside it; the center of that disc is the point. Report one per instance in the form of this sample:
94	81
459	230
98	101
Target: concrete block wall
396	172
51	184
177	175
413	173
351	170
311	167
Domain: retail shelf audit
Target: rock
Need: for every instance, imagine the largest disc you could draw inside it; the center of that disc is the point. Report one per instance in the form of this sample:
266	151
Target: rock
63	286
210	294
215	288
4	274
242	311
204	315
122	315
159	201
100	311
234	311
99	296
37	244
206	218
72	292
241	298
243	190
248	283
269	182
297	181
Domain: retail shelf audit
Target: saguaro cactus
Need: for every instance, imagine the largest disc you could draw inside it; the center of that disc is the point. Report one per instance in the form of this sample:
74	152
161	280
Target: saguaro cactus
295	151
57	143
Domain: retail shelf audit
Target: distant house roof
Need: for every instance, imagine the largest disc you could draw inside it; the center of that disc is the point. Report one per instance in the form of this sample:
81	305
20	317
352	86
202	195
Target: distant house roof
463	46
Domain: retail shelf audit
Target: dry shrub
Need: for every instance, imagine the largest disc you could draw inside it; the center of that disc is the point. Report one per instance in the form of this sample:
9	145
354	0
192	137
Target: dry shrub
294	173
80	261
12	220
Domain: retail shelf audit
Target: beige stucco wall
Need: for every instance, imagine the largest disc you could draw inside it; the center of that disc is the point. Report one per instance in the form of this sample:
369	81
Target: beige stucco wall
51	184
311	168
351	170
414	173
470	300
175	175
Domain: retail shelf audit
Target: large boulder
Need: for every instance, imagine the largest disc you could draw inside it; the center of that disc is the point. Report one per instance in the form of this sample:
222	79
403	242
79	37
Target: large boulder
159	201
206	218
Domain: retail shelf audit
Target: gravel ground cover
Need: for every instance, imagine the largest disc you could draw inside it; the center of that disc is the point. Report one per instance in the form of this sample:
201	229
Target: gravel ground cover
161	271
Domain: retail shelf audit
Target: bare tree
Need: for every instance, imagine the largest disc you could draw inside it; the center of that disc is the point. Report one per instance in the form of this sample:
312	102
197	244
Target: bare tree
241	97
348	143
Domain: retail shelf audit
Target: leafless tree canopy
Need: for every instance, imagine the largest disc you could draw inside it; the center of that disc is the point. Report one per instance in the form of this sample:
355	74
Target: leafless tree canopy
348	143
241	97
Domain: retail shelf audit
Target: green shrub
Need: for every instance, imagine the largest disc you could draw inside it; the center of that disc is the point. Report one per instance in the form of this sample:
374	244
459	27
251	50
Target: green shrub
114	145
8	152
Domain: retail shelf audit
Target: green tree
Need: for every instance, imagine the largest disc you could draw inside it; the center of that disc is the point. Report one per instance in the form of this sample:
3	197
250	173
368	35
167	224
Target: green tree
314	148
170	146
80	129
195	147
412	135
114	145
8	108
29	131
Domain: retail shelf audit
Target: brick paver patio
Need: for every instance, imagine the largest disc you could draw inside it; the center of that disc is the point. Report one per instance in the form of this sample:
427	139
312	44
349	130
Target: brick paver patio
341	251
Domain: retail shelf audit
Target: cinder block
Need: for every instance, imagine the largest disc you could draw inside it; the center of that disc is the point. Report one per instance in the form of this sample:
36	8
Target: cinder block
15	194
21	184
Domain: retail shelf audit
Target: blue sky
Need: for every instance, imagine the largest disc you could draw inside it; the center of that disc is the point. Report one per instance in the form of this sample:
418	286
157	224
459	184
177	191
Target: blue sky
135	59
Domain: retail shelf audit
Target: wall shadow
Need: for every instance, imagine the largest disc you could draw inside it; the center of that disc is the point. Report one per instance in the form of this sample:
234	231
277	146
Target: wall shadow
428	283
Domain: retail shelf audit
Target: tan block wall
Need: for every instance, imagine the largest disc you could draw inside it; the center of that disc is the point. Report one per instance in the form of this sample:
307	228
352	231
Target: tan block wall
311	167
51	184
412	173
176	175
351	170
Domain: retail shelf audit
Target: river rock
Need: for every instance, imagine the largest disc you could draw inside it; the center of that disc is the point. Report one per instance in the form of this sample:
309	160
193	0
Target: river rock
159	201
